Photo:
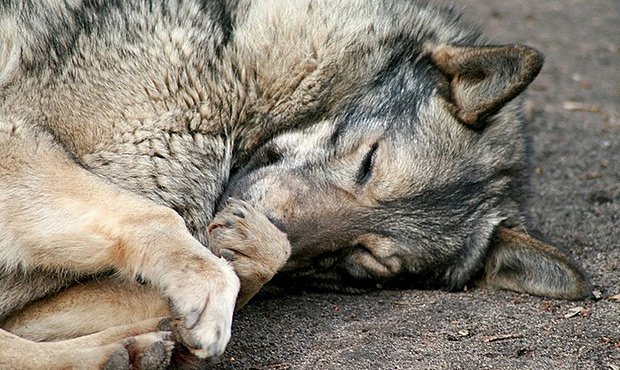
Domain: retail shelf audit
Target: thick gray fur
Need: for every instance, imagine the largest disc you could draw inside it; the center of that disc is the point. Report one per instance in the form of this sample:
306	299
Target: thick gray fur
384	137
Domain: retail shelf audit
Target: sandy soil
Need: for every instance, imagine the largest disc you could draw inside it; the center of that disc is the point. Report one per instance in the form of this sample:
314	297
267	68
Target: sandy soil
575	126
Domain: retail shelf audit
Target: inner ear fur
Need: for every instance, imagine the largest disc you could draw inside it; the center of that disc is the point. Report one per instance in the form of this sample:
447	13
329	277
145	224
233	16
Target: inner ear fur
484	79
524	264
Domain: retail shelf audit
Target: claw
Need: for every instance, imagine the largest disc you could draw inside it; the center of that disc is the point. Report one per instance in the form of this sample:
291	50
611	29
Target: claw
118	361
228	255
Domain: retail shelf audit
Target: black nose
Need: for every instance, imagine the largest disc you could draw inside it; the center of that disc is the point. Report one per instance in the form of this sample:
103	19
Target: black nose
277	223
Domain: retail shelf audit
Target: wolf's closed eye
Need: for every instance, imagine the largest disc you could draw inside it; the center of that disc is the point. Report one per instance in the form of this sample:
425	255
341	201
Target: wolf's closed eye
365	170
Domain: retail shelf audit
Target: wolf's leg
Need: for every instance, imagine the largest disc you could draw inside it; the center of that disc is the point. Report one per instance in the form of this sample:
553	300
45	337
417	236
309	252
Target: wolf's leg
114	348
254	246
88	308
16	352
147	346
54	215
112	310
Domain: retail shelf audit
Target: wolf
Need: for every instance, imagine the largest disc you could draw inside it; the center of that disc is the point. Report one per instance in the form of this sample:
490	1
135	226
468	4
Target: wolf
166	159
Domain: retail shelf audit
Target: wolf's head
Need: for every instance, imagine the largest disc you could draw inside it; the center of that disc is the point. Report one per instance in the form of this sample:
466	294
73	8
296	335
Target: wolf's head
417	177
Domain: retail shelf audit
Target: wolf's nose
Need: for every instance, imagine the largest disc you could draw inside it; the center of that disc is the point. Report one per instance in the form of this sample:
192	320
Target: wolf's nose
277	223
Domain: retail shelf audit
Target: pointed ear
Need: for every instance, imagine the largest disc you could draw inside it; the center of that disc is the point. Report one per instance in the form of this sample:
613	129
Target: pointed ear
521	263
484	79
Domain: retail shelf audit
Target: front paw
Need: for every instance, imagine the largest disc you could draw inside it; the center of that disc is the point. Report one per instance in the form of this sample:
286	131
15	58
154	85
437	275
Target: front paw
202	304
256	248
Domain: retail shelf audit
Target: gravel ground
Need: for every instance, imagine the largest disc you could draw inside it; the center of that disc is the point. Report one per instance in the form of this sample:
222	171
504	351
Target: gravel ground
575	126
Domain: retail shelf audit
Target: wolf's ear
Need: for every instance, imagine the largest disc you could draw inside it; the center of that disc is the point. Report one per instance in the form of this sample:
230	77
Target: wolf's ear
521	263
484	79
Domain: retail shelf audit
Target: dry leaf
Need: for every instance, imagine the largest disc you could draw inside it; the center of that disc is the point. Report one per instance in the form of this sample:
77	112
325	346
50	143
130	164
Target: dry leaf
573	312
615	298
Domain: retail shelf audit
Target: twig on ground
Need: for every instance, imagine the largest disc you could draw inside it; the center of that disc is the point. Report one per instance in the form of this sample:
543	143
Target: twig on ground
496	338
583	107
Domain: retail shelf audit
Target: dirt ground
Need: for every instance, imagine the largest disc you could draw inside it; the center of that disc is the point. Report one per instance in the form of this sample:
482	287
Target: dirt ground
575	126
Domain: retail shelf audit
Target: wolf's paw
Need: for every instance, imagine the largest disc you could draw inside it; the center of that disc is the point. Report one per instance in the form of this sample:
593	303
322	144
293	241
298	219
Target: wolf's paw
202	311
151	351
246	238
202	290
253	245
